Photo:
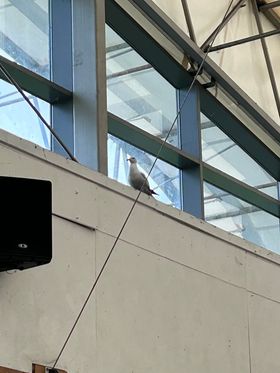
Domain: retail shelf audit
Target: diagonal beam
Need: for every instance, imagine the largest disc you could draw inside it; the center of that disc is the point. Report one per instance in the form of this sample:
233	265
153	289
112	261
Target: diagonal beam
267	57
244	40
269	5
273	17
188	20
234	10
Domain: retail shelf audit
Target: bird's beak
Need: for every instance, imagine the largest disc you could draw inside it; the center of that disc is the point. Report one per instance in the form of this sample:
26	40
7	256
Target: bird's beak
128	159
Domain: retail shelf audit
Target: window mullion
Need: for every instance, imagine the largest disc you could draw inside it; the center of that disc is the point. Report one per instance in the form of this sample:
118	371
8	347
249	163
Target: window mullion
61	71
192	186
89	84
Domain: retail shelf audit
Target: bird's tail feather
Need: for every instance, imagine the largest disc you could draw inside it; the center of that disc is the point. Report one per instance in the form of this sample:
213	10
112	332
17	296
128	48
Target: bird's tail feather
153	192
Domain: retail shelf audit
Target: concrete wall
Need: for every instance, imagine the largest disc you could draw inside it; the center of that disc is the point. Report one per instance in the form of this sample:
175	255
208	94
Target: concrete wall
178	294
245	64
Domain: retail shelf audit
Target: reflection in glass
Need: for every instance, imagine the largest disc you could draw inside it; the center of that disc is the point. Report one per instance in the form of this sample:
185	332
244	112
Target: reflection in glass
24	34
18	118
164	178
240	218
136	92
221	152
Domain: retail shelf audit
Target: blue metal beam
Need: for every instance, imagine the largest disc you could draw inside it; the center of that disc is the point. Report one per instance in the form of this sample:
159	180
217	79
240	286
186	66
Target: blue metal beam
62	71
190	138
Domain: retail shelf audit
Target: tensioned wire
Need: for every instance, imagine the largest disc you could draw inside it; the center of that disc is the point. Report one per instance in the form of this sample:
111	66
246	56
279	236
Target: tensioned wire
139	193
37	112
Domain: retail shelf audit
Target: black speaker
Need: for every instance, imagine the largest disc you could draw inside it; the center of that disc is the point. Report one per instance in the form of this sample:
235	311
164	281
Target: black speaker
26	223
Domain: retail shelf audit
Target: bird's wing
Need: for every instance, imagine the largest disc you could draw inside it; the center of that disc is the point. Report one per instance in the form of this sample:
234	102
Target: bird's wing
138	180
146	180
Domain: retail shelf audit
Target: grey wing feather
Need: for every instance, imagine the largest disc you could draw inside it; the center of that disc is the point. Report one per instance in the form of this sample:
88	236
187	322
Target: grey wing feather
139	181
146	180
146	187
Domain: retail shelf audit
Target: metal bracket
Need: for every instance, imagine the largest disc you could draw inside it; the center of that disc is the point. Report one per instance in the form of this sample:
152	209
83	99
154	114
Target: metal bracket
210	84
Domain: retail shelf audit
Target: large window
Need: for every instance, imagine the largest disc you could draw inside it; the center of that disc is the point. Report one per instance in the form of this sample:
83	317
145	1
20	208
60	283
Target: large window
240	218
136	92
18	118
221	152
225	210
24	34
24	39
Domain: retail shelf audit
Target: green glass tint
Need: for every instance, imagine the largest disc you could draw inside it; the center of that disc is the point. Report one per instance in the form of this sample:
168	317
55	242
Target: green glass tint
240	218
221	152
18	118
136	92
164	178
24	34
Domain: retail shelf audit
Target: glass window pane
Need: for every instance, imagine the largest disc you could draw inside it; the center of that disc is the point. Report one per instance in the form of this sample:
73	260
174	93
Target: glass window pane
240	218
17	117
221	152
136	92
164	178
24	34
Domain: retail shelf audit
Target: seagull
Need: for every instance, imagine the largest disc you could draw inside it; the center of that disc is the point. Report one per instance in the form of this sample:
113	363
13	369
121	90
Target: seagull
137	179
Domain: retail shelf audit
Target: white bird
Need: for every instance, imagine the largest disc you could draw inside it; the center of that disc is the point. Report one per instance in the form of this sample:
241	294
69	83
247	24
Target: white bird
137	179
